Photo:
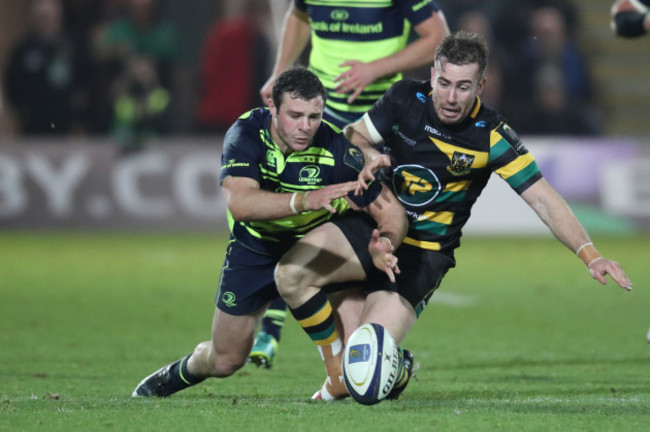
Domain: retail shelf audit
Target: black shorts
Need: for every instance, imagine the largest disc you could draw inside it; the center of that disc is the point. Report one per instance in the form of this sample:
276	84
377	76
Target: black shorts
357	227
421	272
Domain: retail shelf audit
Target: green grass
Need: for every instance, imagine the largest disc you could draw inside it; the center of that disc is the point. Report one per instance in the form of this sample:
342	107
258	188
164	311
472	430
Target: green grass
528	341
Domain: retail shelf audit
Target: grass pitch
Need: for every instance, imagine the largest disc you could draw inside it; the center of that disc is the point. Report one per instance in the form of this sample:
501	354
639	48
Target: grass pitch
519	338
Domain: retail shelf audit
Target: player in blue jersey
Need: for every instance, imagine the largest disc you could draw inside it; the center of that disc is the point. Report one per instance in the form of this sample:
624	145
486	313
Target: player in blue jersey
442	146
631	18
286	174
358	49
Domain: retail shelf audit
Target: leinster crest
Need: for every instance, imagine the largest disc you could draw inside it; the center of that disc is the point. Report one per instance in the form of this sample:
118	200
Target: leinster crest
461	163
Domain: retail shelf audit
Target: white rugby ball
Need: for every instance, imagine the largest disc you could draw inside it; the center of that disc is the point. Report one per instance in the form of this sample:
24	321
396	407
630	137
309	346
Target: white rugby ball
370	364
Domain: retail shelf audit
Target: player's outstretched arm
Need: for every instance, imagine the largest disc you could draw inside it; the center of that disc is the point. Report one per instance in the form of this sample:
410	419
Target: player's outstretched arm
556	214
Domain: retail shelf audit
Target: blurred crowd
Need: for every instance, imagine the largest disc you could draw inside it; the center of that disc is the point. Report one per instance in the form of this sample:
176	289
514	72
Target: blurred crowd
104	67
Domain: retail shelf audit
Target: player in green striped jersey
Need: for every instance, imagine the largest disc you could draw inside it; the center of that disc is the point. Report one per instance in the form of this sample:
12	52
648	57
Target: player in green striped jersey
358	49
443	144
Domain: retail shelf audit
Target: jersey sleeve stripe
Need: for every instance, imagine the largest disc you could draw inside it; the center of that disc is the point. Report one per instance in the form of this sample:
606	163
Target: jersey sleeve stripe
498	147
522	176
375	136
514	167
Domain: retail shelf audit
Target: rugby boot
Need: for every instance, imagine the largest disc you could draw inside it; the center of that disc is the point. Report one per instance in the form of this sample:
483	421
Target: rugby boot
264	349
158	384
408	365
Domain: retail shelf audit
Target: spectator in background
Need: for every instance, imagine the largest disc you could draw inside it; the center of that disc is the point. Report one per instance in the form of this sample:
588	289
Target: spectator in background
141	31
550	50
631	18
552	114
139	105
48	76
235	61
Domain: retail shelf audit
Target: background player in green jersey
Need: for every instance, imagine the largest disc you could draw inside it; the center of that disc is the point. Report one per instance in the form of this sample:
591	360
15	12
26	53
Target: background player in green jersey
631	18
283	172
357	50
443	146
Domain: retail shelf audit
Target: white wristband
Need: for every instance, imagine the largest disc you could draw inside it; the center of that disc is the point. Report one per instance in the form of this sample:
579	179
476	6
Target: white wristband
594	260
292	203
583	246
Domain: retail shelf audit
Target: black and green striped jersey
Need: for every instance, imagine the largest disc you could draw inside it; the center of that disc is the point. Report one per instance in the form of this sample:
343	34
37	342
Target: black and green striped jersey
363	30
249	151
438	170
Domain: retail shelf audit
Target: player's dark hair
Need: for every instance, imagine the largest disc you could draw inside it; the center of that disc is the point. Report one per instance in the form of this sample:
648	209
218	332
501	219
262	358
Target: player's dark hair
463	48
300	83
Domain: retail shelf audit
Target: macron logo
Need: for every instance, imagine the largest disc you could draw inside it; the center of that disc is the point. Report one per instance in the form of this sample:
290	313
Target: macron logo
435	131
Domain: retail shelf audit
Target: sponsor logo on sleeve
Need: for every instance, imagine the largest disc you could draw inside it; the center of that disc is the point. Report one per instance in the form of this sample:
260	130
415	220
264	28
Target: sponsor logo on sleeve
512	138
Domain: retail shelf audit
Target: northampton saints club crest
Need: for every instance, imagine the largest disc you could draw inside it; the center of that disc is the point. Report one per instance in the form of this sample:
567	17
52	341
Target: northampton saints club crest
461	163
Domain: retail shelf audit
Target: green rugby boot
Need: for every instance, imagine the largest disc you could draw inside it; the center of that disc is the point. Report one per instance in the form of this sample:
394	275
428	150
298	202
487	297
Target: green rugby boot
264	350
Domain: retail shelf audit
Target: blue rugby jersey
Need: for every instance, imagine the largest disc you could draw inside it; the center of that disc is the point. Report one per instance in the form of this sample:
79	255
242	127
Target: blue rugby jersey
249	151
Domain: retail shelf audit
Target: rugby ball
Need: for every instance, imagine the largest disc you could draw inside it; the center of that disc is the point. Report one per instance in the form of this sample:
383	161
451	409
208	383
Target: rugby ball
370	364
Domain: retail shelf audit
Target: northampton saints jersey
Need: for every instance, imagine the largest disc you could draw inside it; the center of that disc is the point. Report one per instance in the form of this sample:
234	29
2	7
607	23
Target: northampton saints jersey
363	30
249	151
439	170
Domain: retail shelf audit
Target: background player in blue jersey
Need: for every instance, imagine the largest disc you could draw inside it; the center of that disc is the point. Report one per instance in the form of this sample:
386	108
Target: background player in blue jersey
443	146
358	49
283	173
631	18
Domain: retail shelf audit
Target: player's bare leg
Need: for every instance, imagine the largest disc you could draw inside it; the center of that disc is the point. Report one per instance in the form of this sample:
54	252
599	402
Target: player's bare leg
320	258
232	339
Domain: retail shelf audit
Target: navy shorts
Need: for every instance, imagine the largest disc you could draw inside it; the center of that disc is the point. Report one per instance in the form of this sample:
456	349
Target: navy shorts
246	283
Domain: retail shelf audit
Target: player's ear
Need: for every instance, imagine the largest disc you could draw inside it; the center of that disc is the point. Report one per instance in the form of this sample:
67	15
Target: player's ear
272	107
481	84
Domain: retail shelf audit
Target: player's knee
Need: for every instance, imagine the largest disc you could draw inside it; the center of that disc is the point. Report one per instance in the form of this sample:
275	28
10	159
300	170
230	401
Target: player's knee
289	278
227	364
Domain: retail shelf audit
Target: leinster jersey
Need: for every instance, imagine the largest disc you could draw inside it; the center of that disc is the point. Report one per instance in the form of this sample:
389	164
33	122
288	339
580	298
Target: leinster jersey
440	170
363	30
249	151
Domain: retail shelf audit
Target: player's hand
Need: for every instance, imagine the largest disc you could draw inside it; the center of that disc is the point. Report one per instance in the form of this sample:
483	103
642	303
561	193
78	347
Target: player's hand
381	251
602	267
625	6
355	79
368	171
322	198
267	88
